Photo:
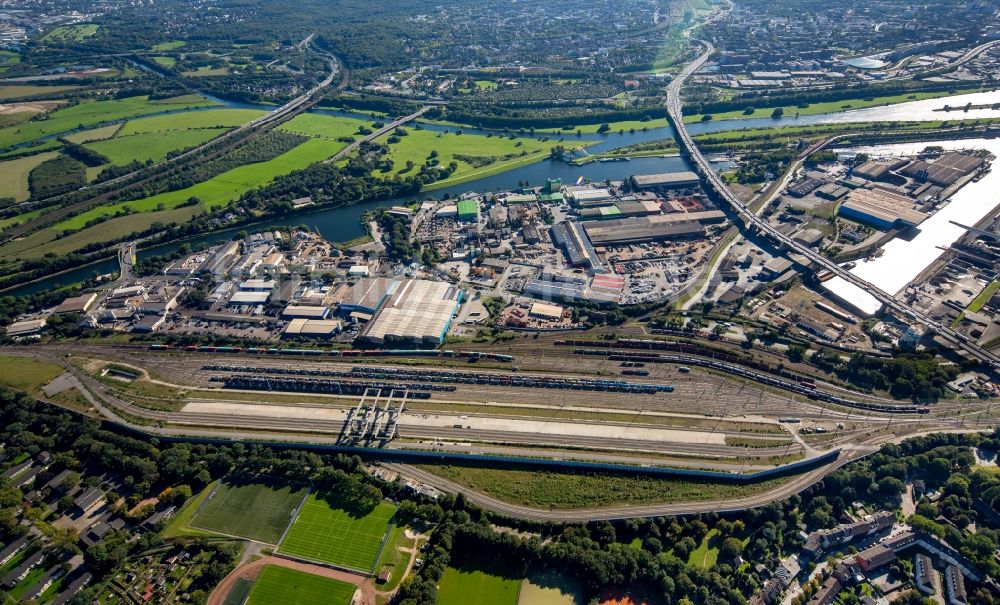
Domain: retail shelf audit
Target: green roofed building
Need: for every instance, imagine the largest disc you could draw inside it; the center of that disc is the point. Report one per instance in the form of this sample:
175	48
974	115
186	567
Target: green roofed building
468	210
553	186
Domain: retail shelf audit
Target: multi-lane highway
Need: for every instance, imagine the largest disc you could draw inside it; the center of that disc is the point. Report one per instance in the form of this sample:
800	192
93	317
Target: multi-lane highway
752	221
213	147
381	131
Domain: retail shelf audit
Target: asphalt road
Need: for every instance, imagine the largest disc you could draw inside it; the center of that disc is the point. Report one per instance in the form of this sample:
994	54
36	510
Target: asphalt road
752	221
583	515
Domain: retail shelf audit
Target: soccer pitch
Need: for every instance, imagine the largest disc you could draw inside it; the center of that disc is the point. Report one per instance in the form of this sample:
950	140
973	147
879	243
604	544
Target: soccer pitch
283	585
330	535
257	511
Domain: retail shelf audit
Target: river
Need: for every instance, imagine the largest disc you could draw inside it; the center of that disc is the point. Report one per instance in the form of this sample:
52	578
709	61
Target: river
342	224
902	260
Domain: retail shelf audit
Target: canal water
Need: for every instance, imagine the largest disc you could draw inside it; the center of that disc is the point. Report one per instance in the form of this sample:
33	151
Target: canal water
902	260
342	224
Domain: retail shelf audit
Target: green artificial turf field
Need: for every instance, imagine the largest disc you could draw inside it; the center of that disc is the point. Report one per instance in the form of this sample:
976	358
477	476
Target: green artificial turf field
331	535
259	511
282	585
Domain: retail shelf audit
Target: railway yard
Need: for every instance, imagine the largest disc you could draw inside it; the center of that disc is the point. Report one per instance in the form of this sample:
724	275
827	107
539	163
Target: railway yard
608	403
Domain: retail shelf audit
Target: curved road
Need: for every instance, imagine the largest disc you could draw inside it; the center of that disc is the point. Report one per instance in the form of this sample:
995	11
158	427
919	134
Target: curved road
790	488
753	221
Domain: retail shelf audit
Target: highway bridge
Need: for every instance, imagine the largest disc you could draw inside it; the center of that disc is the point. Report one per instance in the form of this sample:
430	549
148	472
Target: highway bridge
760	225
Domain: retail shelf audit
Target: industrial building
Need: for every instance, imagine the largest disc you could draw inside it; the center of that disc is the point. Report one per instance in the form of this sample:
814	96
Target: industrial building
75	304
666	180
313	328
30	327
572	239
249	298
944	171
621	209
679	225
415	311
584	196
364	296
881	209
545	311
305	312
468	210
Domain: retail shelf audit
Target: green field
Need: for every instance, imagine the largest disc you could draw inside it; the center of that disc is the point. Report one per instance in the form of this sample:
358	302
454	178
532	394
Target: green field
467	587
550	588
626	125
14	174
155	146
165	61
979	301
393	559
829	106
165	46
179	524
71	33
324	126
207	118
17	220
282	585
707	552
94	134
258	511
498	154
331	535
206	72
42	242
85	114
220	189
560	489
17	91
26	374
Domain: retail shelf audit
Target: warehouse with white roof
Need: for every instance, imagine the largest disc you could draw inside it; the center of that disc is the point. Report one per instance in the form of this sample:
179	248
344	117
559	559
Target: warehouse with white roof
416	311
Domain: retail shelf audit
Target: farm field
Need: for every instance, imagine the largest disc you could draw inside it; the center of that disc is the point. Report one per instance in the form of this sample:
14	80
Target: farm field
17	91
165	61
584	490
14	174
494	154
220	189
282	585
154	147
330	535
259	511
550	588
473	587
91	112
